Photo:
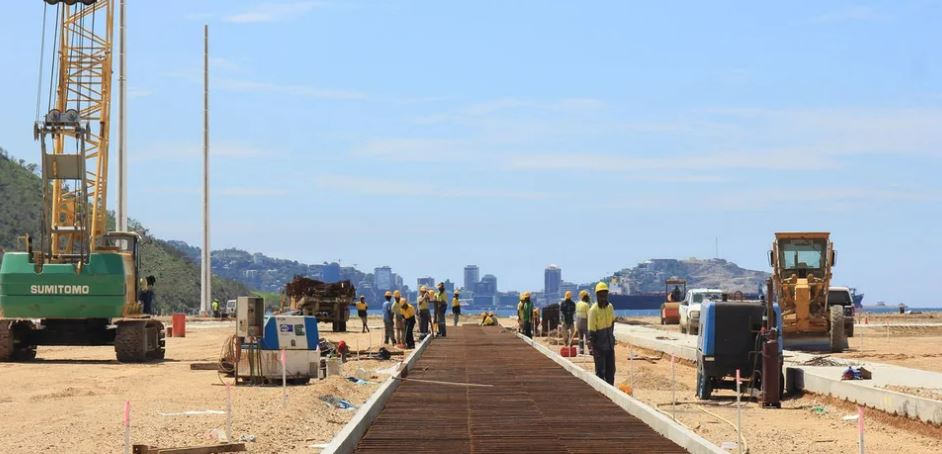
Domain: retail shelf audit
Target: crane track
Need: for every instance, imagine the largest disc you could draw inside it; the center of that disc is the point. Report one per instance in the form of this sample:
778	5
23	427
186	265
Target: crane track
534	405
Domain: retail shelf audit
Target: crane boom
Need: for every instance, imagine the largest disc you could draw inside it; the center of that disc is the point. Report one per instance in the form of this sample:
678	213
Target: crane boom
84	85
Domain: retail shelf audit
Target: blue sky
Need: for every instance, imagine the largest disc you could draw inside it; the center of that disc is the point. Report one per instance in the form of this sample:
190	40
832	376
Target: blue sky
427	135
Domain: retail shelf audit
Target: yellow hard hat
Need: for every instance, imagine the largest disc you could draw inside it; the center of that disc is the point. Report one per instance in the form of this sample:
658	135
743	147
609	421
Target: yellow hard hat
423	288
583	292
525	295
388	293
601	287
568	294
397	294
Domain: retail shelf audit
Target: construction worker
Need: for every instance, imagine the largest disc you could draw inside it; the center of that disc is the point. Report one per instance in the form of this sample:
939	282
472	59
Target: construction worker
520	315
567	308
456	308
527	309
408	314
535	322
400	322
441	305
388	336
675	295
424	315
215	307
602	334
488	319
582	319
361	311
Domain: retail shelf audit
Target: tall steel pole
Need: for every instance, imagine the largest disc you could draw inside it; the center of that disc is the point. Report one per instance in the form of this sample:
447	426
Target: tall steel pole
121	215
207	268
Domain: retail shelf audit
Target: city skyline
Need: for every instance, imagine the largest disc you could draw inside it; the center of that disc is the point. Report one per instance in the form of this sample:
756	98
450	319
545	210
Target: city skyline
589	136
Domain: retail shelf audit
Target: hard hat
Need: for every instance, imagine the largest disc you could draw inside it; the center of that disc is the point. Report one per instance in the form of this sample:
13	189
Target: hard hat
388	293
397	294
457	293
362	297
525	295
583	292
440	284
423	288
568	294
601	287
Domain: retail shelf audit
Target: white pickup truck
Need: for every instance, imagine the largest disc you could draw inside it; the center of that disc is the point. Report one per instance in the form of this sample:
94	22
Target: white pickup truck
690	308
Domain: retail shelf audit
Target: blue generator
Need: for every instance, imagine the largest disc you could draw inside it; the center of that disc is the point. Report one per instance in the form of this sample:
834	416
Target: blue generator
731	338
287	350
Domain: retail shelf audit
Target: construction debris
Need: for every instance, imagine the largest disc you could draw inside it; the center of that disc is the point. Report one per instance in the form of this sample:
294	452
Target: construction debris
228	447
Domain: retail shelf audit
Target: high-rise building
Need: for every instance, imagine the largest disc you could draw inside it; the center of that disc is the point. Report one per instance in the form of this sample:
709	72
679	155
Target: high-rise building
486	287
552	277
383	278
331	272
472	275
427	281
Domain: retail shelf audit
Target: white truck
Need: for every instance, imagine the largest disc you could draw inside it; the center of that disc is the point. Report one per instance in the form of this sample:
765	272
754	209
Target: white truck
842	296
690	308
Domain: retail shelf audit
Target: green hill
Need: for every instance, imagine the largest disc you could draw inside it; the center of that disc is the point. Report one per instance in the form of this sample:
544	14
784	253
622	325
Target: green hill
178	280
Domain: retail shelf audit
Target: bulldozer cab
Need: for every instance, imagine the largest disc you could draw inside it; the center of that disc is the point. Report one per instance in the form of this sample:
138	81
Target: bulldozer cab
674	289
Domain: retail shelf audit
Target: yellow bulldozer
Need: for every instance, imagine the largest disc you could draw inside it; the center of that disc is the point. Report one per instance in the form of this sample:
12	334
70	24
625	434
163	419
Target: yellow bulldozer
801	275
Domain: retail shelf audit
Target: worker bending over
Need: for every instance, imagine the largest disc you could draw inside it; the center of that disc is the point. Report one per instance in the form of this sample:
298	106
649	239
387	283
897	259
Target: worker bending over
400	322
602	334
408	315
488	319
567	308
361	311
388	336
527	310
423	310
456	308
441	305
582	320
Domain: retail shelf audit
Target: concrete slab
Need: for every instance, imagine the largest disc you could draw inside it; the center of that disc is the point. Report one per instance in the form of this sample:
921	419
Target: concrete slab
824	380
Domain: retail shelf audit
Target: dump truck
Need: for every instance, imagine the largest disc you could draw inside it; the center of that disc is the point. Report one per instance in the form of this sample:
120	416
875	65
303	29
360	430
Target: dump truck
328	302
674	290
801	276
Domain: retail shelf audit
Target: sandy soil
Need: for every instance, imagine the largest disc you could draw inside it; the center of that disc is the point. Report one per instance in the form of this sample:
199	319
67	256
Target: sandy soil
71	399
797	427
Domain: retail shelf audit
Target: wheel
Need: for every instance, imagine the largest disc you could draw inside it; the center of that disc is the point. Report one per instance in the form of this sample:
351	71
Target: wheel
838	339
704	384
6	340
130	343
694	330
849	329
23	350
662	321
683	328
342	326
156	334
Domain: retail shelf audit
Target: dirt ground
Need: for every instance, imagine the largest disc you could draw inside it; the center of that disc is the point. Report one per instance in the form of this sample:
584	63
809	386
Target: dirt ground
71	399
804	424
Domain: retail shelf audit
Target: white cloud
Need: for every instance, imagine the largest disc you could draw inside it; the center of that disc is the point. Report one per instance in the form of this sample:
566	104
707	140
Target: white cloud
272	12
194	151
381	187
849	14
416	150
294	90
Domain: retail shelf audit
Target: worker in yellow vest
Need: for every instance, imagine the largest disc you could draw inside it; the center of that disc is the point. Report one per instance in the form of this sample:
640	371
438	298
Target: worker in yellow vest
400	322
520	315
441	305
527	312
424	315
456	307
582	320
408	315
361	312
602	334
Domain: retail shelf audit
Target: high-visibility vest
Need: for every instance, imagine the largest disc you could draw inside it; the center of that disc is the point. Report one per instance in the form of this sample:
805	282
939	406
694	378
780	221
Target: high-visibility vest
582	309
361	306
408	311
601	319
423	303
455	302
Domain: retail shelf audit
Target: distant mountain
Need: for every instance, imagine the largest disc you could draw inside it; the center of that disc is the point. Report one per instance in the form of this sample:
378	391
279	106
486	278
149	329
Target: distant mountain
270	274
177	275
649	276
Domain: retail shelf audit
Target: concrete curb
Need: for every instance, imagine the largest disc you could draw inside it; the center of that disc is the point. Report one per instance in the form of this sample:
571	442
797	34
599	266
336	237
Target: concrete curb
663	425
680	351
889	401
348	437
